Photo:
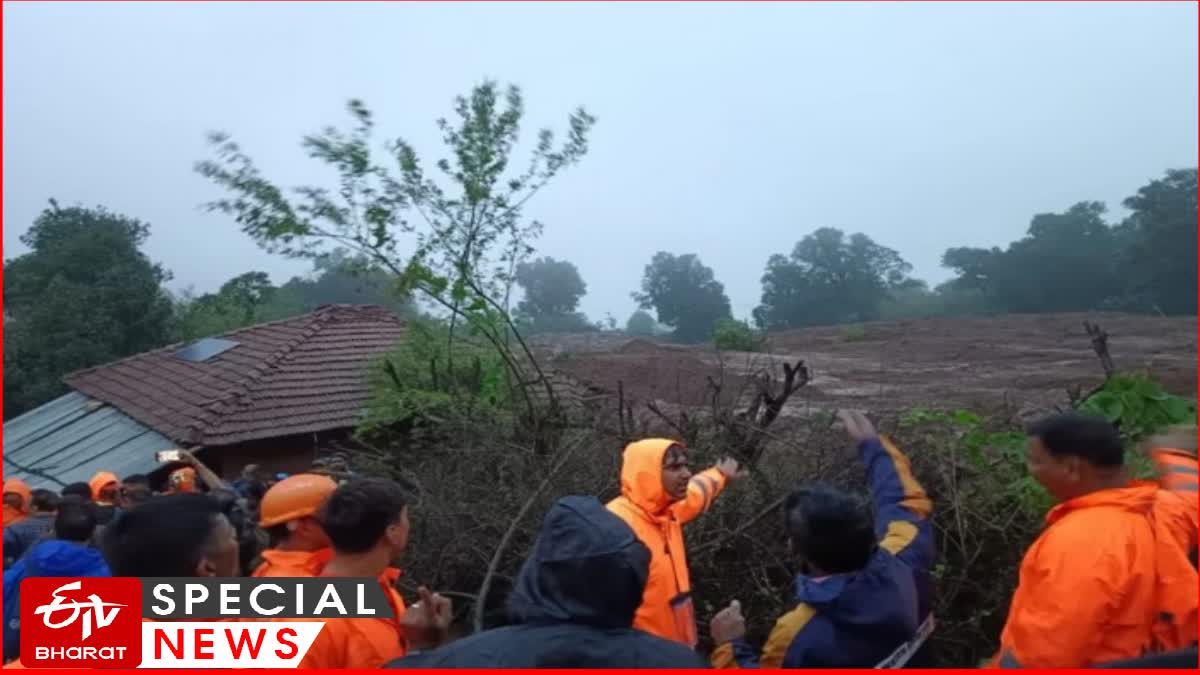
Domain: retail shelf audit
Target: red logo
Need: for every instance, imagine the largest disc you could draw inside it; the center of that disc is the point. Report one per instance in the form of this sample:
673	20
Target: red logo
94	622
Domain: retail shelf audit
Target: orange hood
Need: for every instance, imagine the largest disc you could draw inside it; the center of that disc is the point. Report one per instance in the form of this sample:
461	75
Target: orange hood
641	474
18	487
99	481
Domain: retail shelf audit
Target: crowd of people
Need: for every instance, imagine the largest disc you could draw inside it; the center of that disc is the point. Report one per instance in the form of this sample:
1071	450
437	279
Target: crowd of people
1112	576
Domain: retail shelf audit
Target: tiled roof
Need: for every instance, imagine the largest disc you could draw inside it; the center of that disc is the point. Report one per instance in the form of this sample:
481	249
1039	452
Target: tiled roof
299	375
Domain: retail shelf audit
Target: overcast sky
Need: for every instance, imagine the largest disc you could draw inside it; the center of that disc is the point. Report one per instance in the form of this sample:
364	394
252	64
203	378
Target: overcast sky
729	131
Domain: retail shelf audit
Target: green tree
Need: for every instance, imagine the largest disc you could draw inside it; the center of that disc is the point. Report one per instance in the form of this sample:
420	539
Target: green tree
84	295
552	291
552	287
340	277
463	224
641	323
829	279
1158	245
685	294
1065	262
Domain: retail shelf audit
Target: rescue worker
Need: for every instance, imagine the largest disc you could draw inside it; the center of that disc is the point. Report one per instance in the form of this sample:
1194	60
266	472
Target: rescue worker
863	591
288	513
22	535
68	554
1110	576
659	495
106	494
366	521
573	604
17	497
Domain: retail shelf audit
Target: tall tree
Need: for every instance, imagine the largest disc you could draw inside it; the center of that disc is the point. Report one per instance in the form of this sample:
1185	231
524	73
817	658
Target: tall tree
552	287
829	278
1065	262
1159	244
84	295
685	294
640	323
464	222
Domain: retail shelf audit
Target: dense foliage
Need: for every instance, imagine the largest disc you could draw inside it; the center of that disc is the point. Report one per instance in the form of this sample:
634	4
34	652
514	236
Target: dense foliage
685	294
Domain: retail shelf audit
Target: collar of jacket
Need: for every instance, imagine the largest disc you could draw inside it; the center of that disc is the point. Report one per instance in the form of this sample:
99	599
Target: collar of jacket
1138	496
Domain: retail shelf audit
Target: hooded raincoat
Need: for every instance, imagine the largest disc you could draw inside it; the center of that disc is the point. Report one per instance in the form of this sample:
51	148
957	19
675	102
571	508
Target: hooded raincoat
658	521
1111	577
859	619
573	604
18	487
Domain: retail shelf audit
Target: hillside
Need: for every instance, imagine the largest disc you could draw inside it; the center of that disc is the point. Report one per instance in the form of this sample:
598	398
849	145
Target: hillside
1024	360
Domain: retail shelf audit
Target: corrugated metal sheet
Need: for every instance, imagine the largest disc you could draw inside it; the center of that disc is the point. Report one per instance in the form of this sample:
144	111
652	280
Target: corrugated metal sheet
73	437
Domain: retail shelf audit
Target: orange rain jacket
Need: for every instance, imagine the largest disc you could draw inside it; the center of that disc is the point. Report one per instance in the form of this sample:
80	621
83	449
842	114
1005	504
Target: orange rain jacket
1110	577
18	486
666	609
276	563
366	643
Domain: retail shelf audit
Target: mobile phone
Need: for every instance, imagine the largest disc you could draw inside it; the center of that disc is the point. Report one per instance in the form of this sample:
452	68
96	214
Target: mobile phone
167	456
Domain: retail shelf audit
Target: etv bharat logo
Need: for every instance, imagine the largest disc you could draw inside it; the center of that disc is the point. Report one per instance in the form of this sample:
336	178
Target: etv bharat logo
106	610
94	607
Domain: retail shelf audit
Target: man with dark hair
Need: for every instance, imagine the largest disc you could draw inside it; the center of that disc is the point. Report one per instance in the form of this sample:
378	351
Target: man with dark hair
863	593
81	490
69	555
19	536
573	605
1110	576
183	535
366	521
135	489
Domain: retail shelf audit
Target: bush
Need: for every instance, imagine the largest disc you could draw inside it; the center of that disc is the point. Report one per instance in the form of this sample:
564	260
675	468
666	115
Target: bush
735	336
641	323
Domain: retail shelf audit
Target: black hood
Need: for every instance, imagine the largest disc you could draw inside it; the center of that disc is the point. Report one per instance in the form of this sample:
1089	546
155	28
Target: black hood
587	567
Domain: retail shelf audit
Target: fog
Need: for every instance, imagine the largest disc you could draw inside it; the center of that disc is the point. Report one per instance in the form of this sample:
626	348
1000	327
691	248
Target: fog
730	131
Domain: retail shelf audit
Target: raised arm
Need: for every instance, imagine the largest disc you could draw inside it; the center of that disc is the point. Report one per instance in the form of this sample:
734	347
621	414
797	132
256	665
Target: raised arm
702	491
902	507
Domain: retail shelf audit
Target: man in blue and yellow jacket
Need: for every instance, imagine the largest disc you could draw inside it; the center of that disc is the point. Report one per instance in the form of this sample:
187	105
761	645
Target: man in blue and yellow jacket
863	594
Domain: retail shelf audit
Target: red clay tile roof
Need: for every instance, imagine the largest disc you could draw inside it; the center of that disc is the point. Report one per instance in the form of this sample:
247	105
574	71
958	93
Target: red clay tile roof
299	375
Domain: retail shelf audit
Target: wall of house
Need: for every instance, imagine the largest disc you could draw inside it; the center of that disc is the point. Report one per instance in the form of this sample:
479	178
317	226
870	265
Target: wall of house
287	454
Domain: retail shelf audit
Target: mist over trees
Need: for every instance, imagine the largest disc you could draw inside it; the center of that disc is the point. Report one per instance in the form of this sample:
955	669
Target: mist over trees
685	294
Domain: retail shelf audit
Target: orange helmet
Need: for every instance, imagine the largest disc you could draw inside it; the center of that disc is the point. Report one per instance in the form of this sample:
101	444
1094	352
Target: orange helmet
182	479
101	480
298	496
19	487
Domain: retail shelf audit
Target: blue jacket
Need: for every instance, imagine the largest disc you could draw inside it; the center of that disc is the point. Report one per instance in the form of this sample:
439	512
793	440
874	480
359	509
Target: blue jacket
22	535
53	558
573	603
858	619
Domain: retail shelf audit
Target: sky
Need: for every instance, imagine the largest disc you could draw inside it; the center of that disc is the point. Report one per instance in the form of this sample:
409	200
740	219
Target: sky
725	130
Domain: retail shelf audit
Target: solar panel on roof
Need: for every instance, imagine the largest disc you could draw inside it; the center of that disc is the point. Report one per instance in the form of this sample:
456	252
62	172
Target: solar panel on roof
203	350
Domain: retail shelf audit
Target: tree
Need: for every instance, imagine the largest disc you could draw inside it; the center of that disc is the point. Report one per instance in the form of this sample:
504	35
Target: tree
465	227
552	287
1158	244
1065	262
829	279
641	323
84	295
684	293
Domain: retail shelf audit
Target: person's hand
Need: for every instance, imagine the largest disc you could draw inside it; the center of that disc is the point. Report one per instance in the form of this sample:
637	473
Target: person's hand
728	467
427	621
858	427
728	624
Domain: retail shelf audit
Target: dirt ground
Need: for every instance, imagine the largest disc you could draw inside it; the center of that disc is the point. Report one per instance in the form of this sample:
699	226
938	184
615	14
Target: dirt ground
1024	361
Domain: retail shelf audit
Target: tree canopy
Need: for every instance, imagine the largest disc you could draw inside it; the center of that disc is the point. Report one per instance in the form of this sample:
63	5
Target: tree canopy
641	323
685	294
84	295
552	291
829	278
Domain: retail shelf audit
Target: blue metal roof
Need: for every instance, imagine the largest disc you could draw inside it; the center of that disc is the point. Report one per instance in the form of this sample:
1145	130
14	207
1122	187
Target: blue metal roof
73	437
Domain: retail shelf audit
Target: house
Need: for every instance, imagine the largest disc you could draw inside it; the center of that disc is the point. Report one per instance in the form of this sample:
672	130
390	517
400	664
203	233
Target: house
271	394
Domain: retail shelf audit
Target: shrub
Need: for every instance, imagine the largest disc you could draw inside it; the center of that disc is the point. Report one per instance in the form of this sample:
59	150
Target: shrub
736	336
